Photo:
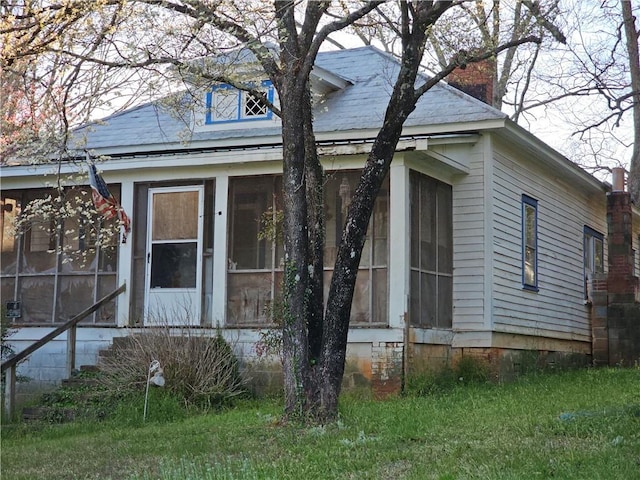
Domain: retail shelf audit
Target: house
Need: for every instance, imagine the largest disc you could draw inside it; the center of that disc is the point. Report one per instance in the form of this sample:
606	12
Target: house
483	241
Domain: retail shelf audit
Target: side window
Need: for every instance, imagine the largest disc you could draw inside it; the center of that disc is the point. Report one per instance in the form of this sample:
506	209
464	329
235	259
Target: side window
225	104
593	245
529	243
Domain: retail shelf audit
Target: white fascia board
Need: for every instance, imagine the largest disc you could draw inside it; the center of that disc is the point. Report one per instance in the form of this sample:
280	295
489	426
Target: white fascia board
566	169
453	129
46	169
27	176
194	159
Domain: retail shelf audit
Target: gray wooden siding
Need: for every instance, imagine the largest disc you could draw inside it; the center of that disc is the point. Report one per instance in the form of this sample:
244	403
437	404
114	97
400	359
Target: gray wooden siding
557	310
468	246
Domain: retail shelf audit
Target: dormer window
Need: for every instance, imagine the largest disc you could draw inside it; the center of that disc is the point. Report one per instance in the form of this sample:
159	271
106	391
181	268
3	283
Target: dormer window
227	104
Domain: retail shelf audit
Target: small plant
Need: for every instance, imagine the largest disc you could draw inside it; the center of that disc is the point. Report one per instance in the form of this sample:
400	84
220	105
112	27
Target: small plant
271	221
270	342
202	370
466	371
471	370
6	349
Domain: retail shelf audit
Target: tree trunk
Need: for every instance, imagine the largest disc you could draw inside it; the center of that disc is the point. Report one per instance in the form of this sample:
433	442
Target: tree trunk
294	324
631	34
402	103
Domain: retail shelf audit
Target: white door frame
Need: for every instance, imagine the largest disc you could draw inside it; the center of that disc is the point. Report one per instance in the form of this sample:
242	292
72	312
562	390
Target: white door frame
189	311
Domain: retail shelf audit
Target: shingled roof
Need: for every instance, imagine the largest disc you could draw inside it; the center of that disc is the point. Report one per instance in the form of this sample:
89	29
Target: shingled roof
356	108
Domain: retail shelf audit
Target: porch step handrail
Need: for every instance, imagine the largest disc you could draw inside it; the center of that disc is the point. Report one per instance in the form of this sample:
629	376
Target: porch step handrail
10	364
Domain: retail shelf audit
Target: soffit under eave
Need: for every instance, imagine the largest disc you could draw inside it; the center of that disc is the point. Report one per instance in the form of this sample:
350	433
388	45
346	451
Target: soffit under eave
323	81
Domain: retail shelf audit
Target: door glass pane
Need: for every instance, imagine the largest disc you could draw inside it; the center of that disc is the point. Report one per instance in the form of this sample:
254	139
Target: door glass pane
175	215
173	265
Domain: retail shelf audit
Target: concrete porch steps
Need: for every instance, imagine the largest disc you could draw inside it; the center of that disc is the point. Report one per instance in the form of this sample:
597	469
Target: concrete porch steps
76	389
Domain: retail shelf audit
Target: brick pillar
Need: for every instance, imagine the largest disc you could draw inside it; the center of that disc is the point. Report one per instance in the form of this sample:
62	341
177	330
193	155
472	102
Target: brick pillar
621	283
599	322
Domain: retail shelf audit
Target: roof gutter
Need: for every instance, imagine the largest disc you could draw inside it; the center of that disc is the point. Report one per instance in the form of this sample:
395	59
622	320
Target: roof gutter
518	135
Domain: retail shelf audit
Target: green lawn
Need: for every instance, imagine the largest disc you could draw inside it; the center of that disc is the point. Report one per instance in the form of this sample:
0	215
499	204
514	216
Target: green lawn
574	425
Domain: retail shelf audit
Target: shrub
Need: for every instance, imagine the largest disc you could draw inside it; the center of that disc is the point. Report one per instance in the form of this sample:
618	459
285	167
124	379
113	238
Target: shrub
200	369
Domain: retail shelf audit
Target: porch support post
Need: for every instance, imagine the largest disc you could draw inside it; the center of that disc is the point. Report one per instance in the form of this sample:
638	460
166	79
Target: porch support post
10	393
219	295
398	261
125	260
71	350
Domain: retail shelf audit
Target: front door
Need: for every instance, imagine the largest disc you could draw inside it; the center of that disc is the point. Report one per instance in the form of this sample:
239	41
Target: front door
174	253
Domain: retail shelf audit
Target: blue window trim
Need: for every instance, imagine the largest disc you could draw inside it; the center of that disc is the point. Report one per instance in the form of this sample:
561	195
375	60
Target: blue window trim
209	120
532	202
595	234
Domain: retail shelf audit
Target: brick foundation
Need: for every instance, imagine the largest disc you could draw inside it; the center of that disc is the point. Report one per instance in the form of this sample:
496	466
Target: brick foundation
386	368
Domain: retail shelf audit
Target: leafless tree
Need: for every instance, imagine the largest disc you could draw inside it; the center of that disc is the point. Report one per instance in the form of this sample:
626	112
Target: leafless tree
149	35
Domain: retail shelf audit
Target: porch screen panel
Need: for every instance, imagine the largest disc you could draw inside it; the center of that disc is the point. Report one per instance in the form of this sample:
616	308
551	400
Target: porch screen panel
55	266
370	297
107	313
255	261
74	294
10	206
139	237
39	241
36	296
256	257
431	279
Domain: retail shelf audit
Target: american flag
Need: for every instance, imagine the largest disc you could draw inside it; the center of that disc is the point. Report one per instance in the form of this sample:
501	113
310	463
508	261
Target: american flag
106	205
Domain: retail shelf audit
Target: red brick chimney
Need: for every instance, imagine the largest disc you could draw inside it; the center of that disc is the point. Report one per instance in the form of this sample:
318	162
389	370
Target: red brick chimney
476	79
621	282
